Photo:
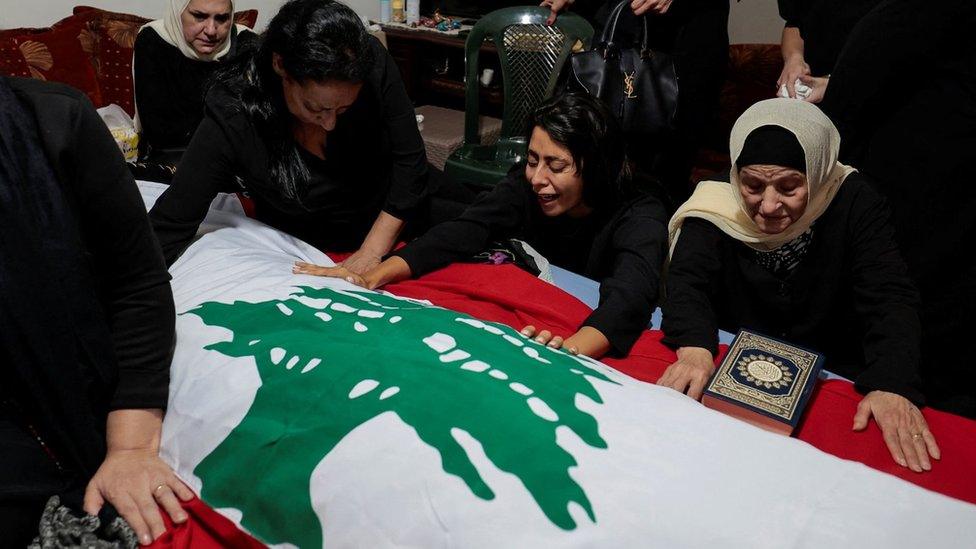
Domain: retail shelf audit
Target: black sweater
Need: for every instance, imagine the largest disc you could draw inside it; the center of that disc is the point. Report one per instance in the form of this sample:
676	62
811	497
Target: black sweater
623	249
850	298
918	145
824	26
169	87
133	284
374	160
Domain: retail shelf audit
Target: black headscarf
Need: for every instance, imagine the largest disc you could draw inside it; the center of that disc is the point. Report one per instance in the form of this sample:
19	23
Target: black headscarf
772	145
56	357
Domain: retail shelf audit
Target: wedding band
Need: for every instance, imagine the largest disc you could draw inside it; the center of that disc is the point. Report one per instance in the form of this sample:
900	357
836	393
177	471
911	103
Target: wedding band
916	436
158	488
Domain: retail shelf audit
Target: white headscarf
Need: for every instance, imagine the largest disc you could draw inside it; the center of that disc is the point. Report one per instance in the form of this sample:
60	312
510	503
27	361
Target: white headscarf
170	29
722	204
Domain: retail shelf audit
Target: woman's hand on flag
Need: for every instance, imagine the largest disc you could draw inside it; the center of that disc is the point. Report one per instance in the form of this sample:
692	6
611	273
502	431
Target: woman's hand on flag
134	479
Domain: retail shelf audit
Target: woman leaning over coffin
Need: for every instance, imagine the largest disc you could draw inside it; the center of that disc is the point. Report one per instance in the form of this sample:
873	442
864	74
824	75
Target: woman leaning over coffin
799	246
173	59
570	202
316	126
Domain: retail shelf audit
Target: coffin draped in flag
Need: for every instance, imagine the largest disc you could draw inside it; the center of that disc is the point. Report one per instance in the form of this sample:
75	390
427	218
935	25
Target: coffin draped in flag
314	413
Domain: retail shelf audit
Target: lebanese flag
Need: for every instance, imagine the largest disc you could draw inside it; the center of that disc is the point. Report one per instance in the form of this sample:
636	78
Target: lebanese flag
306	411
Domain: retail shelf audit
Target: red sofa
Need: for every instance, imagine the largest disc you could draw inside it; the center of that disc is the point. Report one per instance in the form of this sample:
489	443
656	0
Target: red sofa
90	50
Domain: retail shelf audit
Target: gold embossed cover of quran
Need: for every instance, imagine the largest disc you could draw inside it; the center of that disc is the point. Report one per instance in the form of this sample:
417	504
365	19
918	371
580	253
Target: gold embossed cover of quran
764	381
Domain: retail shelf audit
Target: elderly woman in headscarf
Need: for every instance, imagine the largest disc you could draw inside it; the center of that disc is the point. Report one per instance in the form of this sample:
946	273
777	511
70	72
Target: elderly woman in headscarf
173	59
799	246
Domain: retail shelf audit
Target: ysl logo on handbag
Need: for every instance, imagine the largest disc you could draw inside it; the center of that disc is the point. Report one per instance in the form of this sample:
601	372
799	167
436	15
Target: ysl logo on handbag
629	85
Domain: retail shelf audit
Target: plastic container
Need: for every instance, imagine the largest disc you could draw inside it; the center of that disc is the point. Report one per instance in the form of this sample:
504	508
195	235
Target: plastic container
385	11
413	11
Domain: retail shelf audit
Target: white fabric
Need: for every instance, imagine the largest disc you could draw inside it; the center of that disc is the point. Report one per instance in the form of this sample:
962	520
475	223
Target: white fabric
674	474
802	90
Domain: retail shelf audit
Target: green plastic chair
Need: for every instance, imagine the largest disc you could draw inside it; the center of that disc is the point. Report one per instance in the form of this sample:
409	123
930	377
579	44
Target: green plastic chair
531	55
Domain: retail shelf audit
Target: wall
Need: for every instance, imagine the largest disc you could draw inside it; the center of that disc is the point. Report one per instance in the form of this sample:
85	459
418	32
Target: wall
753	22
750	21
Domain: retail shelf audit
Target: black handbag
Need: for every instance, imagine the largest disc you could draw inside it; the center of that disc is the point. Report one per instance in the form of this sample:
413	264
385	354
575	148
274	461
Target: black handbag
639	86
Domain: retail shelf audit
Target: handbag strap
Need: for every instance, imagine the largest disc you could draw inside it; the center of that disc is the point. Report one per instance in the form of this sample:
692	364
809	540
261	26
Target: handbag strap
610	29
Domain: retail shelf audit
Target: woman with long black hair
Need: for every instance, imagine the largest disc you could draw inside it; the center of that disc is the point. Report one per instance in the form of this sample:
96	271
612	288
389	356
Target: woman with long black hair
571	202
316	126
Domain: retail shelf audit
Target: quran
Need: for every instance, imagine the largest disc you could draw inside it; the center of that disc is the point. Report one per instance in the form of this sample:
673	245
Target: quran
764	381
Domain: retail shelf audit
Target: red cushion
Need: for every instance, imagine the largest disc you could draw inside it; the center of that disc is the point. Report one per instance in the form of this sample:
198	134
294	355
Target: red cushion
59	54
247	18
114	35
12	61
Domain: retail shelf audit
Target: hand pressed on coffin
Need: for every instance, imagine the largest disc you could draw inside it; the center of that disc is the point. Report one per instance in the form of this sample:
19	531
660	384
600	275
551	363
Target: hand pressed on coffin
361	262
133	478
380	240
586	341
392	270
904	429
691	372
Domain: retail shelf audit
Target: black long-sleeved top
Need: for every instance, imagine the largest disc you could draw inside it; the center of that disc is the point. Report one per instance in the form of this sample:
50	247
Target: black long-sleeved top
850	298
374	161
132	281
917	143
623	249
824	26
170	87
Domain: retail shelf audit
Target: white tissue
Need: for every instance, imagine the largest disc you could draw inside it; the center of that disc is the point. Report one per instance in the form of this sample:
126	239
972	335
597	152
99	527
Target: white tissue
802	90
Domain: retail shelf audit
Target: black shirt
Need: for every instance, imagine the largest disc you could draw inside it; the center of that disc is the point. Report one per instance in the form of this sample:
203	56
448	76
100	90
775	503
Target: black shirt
850	298
132	281
824	26
917	144
374	160
170	87
623	249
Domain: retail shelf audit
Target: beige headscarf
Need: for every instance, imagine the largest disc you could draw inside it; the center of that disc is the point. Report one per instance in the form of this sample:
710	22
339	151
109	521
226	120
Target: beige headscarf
170	29
722	204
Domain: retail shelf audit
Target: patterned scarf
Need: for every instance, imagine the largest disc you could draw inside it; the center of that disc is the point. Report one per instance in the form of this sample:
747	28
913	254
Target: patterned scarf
784	260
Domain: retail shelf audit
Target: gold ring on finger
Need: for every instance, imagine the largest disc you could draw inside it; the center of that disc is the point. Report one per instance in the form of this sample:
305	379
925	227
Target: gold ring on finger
916	436
158	488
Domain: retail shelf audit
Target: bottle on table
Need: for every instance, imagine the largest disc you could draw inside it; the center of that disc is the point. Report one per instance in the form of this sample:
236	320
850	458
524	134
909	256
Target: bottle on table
399	14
